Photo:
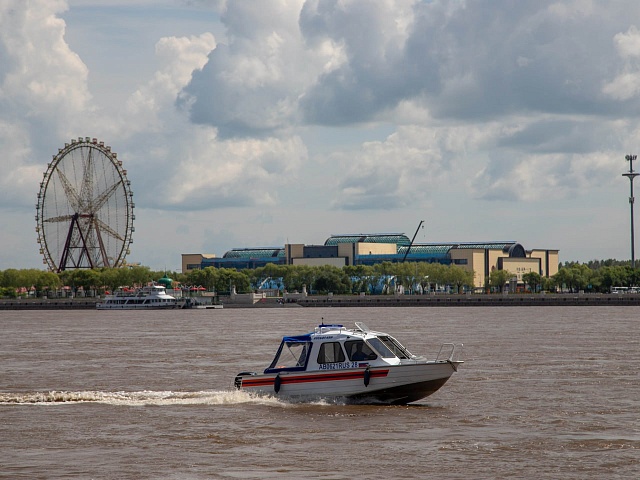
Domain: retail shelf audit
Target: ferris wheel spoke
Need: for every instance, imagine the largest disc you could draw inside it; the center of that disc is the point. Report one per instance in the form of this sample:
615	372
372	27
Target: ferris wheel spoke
61	218
86	188
72	195
100	200
103	226
95	243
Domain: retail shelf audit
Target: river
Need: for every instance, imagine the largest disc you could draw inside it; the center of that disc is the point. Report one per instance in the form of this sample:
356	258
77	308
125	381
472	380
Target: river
549	392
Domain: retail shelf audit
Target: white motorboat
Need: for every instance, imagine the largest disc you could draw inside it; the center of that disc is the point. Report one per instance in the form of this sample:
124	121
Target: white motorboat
149	297
357	365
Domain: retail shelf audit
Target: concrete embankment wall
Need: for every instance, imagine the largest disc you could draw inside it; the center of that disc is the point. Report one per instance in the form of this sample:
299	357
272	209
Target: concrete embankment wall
498	300
42	304
471	300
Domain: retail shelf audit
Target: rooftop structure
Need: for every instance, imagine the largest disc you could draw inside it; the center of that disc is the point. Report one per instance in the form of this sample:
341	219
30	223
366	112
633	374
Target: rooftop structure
372	249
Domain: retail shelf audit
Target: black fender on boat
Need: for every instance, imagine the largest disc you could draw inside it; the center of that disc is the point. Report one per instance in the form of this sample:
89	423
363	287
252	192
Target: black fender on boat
276	383
367	376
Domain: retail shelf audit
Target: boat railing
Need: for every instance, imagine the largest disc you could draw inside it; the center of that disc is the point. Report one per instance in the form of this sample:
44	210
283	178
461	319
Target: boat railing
450	352
324	328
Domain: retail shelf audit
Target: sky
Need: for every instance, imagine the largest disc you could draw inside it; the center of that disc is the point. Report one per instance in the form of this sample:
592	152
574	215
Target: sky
260	123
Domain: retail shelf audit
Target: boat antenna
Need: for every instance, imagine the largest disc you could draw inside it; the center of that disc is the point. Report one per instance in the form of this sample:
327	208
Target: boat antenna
411	244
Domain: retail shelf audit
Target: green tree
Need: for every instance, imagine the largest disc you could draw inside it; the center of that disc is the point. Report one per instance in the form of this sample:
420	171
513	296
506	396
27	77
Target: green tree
546	284
384	272
11	278
532	279
332	279
581	276
438	275
87	279
562	279
114	278
141	276
498	278
297	276
424	276
460	277
358	275
226	278
46	280
573	277
406	274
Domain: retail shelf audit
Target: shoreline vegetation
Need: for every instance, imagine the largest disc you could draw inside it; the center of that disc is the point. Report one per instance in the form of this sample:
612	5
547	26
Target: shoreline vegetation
410	283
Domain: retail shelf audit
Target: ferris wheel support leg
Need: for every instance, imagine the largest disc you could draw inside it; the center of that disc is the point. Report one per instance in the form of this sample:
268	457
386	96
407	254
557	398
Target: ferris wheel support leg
67	247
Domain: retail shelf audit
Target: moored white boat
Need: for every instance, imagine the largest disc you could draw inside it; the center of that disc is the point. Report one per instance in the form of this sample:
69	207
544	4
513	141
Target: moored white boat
358	365
149	297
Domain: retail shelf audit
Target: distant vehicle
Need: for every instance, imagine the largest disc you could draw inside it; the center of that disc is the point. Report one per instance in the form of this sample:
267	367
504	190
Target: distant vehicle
625	289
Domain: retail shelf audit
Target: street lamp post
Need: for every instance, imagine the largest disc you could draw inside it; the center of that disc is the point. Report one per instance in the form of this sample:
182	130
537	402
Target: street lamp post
631	175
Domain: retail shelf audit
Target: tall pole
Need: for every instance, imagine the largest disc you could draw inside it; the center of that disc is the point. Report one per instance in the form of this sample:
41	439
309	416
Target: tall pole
631	175
414	237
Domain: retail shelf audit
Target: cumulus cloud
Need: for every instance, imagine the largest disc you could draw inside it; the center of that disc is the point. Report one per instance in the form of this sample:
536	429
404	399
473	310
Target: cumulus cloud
440	69
626	84
179	58
424	64
250	86
373	76
43	87
179	166
493	99
234	173
40	72
404	169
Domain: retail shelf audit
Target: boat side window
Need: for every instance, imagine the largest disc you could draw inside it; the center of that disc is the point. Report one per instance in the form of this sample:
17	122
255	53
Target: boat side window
381	348
291	355
395	346
330	352
359	350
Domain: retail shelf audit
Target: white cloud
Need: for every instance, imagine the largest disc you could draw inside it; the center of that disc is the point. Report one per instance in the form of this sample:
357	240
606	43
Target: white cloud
41	74
213	174
179	58
626	85
628	44
251	85
42	91
408	167
325	108
190	165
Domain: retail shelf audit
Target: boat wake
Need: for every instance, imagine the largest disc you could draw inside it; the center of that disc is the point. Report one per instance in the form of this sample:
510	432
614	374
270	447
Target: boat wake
143	398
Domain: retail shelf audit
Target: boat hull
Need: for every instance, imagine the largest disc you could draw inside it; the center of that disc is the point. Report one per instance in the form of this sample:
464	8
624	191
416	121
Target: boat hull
101	306
391	384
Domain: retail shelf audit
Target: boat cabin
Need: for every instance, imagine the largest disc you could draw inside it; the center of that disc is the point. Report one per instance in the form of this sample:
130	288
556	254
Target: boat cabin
333	347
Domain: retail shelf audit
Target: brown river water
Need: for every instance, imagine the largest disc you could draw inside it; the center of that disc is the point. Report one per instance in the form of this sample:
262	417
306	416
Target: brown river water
550	392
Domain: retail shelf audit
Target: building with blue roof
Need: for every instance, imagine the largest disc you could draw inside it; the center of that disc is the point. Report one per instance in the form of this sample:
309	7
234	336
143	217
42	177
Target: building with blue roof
372	249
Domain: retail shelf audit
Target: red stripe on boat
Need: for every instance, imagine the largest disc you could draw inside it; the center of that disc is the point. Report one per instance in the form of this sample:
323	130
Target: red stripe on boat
321	377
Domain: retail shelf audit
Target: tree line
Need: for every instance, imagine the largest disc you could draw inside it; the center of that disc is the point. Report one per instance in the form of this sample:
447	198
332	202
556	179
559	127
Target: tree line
383	278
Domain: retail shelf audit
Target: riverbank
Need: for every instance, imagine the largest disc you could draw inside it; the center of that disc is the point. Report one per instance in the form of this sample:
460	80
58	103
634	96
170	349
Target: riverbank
513	300
48	304
496	300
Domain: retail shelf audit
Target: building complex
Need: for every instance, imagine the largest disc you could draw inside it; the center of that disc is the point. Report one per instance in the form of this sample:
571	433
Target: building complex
370	249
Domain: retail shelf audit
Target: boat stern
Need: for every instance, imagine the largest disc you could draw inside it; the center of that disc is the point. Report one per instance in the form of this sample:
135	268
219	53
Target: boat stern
238	380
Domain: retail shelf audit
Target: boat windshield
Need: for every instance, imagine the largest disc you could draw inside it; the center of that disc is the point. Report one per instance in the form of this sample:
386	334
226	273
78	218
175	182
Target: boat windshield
291	355
389	347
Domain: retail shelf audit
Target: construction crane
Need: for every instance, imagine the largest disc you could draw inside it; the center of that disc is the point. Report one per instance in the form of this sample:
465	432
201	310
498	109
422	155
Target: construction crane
411	244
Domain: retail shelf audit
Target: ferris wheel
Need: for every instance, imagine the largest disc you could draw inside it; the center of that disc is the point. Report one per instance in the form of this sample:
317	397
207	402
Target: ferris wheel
85	206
